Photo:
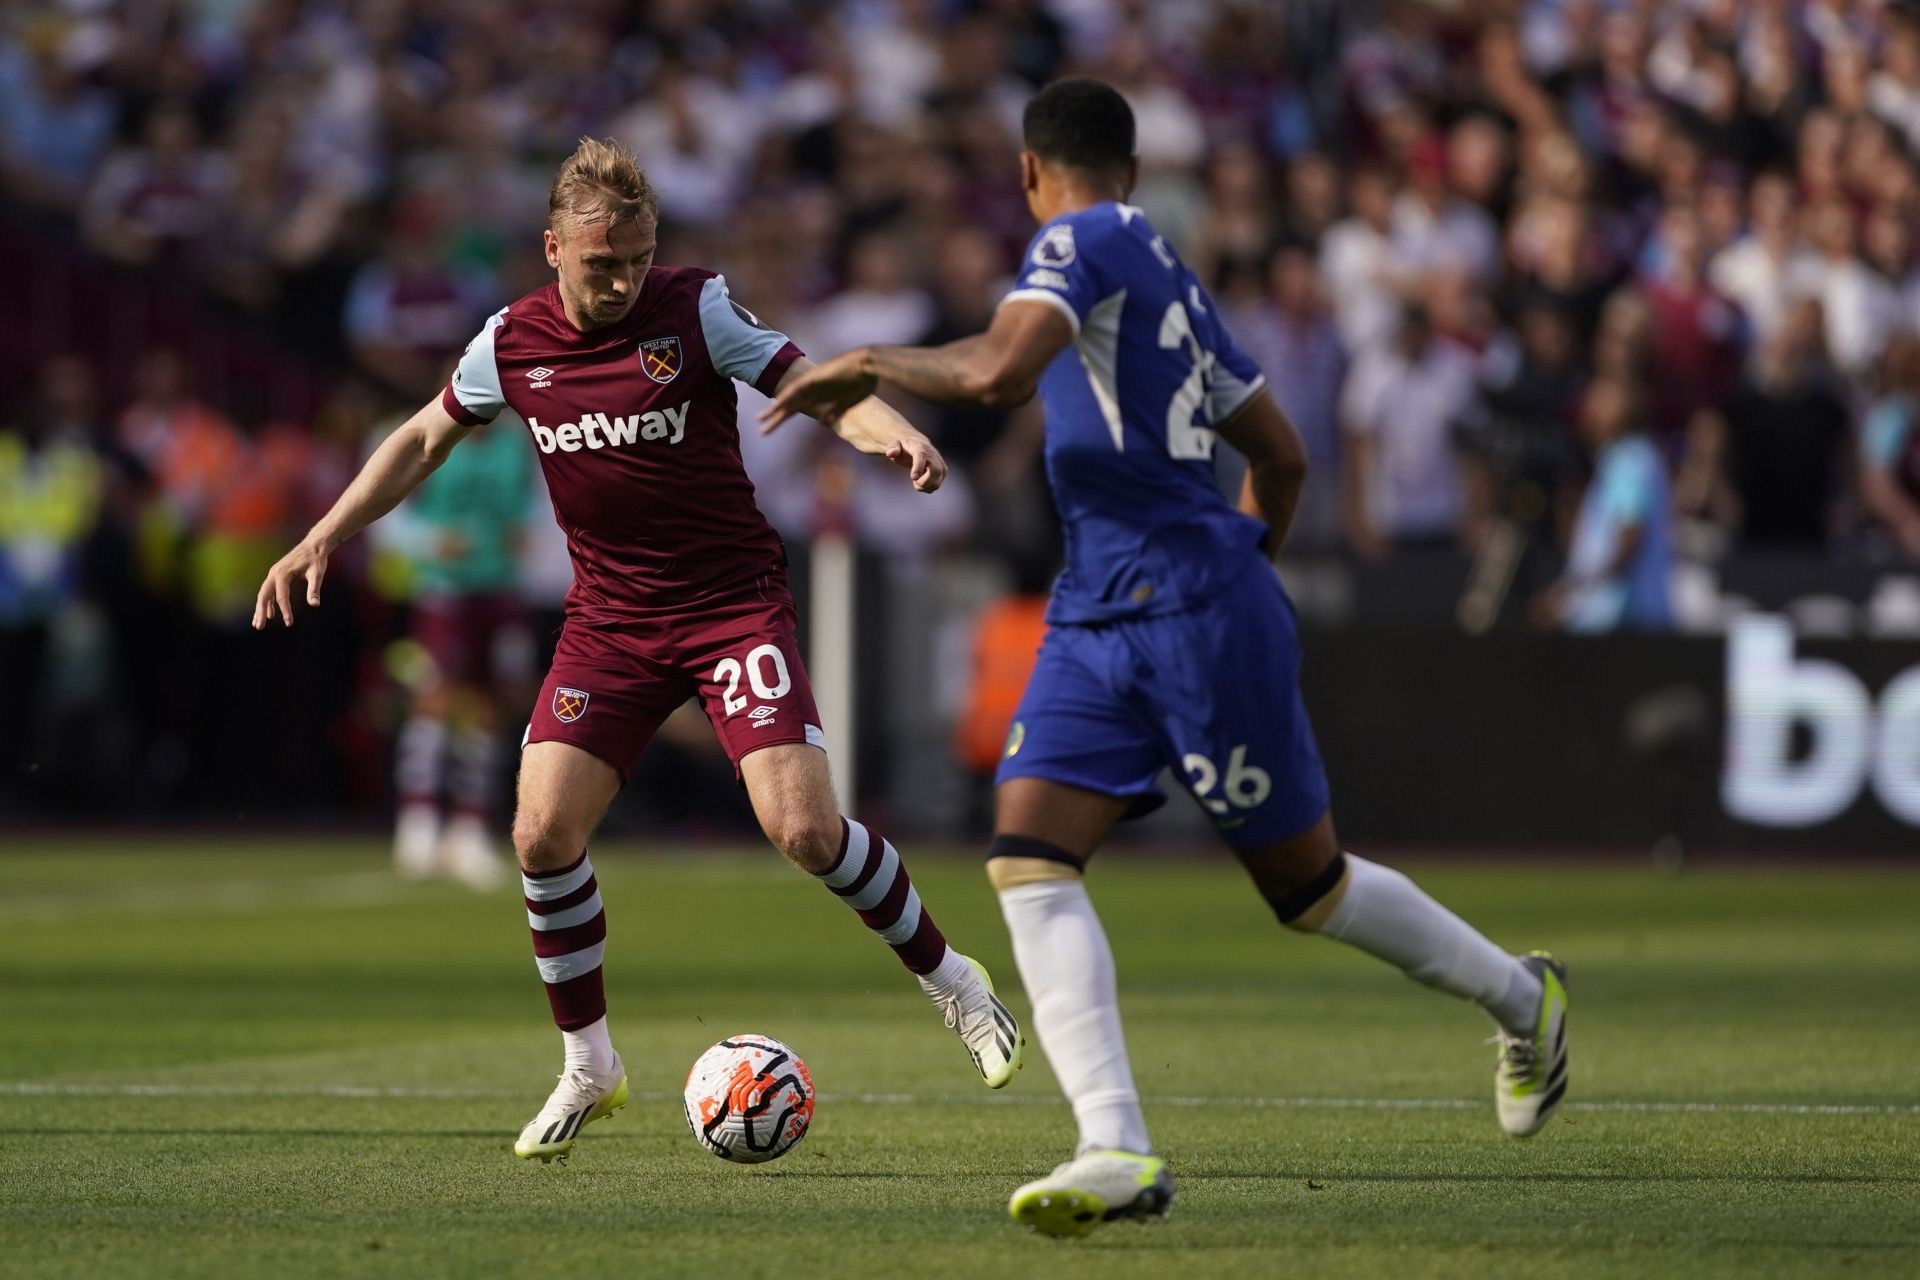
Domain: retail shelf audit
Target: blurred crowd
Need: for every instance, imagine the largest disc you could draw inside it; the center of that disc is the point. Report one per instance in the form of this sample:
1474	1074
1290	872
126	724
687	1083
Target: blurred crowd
1572	289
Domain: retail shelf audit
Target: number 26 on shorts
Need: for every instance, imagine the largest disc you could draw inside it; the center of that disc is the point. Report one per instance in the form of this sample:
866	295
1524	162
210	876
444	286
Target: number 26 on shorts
1245	785
766	673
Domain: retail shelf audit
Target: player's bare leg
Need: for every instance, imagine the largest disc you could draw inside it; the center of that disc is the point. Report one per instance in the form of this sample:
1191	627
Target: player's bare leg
1046	831
792	793
1315	888
564	791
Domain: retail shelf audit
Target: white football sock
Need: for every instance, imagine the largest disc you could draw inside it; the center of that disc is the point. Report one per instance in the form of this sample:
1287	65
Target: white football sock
1068	971
1387	915
590	1048
952	970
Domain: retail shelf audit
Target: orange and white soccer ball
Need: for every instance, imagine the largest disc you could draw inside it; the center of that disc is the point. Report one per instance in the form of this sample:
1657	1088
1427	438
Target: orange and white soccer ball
749	1099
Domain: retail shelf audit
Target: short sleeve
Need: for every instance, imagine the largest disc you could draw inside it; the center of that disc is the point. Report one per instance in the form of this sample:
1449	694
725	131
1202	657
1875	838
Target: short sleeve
1056	274
474	395
1236	378
1627	487
738	344
1883	436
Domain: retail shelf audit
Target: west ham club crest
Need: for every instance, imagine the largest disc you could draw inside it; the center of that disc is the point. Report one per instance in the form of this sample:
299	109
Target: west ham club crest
660	358
569	704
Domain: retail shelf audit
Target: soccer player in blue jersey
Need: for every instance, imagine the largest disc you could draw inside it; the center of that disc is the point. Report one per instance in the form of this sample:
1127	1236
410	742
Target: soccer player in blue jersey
1171	644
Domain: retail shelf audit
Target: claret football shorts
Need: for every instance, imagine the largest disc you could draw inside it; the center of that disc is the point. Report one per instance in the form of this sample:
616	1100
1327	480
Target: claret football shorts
610	687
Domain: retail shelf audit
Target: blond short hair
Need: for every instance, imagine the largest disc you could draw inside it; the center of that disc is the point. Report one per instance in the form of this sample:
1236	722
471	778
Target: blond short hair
600	182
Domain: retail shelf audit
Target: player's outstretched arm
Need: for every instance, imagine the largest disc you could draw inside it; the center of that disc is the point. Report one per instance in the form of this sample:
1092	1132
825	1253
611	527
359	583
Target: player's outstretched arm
403	460
873	426
999	368
1276	464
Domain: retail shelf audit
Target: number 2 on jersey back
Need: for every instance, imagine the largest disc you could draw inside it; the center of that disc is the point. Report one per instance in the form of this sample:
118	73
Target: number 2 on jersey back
1184	439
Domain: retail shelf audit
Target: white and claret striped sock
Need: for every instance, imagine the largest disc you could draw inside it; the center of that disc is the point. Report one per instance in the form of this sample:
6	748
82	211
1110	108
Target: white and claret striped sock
419	761
870	877
470	772
1384	914
569	942
1067	967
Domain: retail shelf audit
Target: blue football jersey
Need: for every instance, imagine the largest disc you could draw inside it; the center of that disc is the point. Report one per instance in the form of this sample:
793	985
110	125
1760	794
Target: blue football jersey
1131	409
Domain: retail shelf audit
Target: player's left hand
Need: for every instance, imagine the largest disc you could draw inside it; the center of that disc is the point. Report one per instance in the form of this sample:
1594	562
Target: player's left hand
925	467
823	392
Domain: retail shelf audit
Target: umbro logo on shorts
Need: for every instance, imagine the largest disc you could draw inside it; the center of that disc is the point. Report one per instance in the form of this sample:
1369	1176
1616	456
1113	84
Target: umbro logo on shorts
762	716
569	704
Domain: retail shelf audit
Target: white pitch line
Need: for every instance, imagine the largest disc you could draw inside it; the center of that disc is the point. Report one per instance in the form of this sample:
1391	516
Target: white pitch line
347	889
59	1089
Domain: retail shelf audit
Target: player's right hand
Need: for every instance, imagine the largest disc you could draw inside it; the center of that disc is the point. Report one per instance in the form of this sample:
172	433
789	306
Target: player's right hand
305	563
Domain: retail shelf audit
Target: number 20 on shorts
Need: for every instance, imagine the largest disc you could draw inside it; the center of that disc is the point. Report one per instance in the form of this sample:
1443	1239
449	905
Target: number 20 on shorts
1245	785
762	662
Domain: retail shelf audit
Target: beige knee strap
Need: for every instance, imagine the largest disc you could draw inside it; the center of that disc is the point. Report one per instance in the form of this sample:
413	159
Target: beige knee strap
1316	912
1010	873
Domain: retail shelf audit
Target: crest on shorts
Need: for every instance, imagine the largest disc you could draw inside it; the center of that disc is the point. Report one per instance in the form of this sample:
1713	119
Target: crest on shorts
660	358
569	704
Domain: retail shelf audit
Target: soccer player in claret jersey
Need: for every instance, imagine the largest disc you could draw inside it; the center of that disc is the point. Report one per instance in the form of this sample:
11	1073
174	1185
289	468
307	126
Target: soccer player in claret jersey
622	374
1171	643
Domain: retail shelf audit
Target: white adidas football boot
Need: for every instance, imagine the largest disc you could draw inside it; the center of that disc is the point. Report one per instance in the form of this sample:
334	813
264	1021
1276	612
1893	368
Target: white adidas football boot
993	1039
1530	1073
1095	1188
579	1100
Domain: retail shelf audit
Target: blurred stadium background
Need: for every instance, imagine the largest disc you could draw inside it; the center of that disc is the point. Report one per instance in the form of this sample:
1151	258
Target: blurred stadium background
240	237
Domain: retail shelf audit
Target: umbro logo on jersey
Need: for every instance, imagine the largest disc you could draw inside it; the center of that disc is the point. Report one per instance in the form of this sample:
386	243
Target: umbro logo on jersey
660	358
602	431
541	377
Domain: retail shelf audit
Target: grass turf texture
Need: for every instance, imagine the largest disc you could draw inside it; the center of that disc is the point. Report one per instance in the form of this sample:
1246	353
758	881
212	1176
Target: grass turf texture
295	972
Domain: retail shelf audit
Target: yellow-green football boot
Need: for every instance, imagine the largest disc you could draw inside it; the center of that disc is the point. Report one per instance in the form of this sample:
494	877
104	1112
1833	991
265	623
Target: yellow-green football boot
972	1011
1530	1074
1091	1189
580	1098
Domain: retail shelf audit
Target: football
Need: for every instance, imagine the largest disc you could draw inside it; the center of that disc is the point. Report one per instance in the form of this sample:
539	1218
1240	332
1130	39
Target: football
749	1099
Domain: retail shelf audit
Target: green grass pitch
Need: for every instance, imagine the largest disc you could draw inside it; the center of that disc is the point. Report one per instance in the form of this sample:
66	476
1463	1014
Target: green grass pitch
277	1061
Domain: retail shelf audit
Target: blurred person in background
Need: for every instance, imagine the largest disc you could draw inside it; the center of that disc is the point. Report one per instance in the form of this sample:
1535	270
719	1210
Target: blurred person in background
1360	264
1435	231
460	534
1616	576
1696	333
52	483
411	308
1890	447
1400	409
1757	271
1787	430
54	124
1859	308
157	203
1289	332
1518	436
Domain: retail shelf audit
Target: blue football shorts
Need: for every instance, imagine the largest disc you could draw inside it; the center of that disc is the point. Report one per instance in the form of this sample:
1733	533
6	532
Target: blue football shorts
1211	692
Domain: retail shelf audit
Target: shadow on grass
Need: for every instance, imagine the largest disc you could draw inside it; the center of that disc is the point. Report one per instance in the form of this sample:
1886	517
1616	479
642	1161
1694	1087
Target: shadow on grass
1322	1181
